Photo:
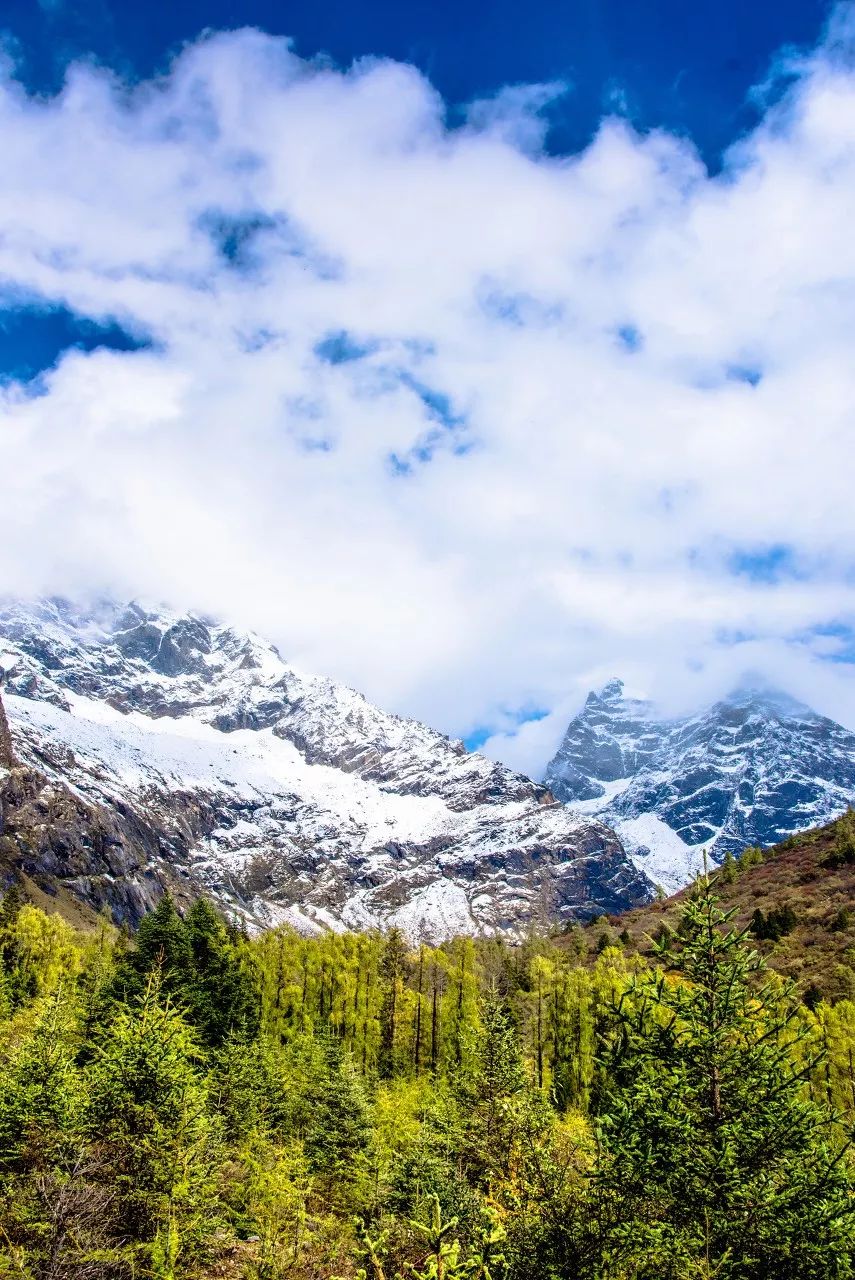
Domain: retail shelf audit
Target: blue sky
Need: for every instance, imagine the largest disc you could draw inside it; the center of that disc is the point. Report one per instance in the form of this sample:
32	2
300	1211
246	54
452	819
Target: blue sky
668	63
475	360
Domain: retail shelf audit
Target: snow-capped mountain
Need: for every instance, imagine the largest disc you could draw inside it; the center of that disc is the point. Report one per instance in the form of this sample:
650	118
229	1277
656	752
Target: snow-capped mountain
750	770
159	750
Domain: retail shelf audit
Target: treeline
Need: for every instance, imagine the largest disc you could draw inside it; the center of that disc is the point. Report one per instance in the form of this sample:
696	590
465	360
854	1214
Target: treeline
195	1103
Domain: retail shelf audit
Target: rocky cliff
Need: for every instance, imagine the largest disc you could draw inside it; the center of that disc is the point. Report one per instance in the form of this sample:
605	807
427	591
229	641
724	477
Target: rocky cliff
750	770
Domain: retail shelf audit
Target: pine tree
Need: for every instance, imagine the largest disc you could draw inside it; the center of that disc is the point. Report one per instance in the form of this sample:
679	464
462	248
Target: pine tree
573	1038
492	1095
162	944
39	952
750	857
336	1125
12	901
843	853
460	1011
728	871
10	910
249	1087
41	1091
149	1119
219	989
715	1160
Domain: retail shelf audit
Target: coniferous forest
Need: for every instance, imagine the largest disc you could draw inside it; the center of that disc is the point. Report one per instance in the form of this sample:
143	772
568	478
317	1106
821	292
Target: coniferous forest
192	1102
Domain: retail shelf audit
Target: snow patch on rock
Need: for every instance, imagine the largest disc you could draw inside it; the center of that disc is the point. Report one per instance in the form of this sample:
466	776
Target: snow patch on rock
751	770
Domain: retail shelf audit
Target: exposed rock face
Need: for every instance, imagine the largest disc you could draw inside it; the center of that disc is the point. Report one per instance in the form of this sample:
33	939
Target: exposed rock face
207	761
7	751
750	770
110	857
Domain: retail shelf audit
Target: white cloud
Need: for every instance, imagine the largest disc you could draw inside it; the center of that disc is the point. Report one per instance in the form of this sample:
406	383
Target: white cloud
517	113
539	468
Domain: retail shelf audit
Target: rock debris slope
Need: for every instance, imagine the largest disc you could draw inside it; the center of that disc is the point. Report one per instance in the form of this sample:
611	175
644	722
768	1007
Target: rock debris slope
168	751
751	770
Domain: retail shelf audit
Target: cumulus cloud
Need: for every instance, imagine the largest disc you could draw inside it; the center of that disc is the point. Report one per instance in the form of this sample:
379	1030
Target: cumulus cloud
466	424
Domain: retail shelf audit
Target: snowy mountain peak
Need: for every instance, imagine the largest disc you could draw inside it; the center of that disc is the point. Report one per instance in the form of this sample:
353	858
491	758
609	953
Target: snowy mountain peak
752	769
612	691
191	754
766	700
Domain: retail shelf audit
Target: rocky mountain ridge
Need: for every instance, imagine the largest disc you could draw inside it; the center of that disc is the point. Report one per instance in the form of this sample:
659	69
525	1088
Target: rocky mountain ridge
161	750
751	770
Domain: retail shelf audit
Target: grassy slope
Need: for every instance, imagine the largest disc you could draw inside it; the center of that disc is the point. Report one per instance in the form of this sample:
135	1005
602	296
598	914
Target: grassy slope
59	902
820	948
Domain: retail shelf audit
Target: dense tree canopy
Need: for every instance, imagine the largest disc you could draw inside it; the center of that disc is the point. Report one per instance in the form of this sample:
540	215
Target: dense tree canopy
196	1103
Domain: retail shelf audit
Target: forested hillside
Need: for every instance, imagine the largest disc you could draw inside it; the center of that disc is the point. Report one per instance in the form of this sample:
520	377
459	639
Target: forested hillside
193	1103
797	898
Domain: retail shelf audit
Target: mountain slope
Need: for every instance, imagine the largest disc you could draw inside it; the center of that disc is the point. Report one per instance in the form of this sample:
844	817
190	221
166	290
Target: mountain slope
804	890
750	770
206	762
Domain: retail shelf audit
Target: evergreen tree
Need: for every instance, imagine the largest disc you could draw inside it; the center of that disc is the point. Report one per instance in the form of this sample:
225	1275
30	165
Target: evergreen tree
148	1116
15	988
843	852
460	1011
41	1091
162	944
249	1087
602	1120
336	1118
493	1095
573	1038
40	953
728	871
775	924
750	857
219	990
12	901
715	1160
